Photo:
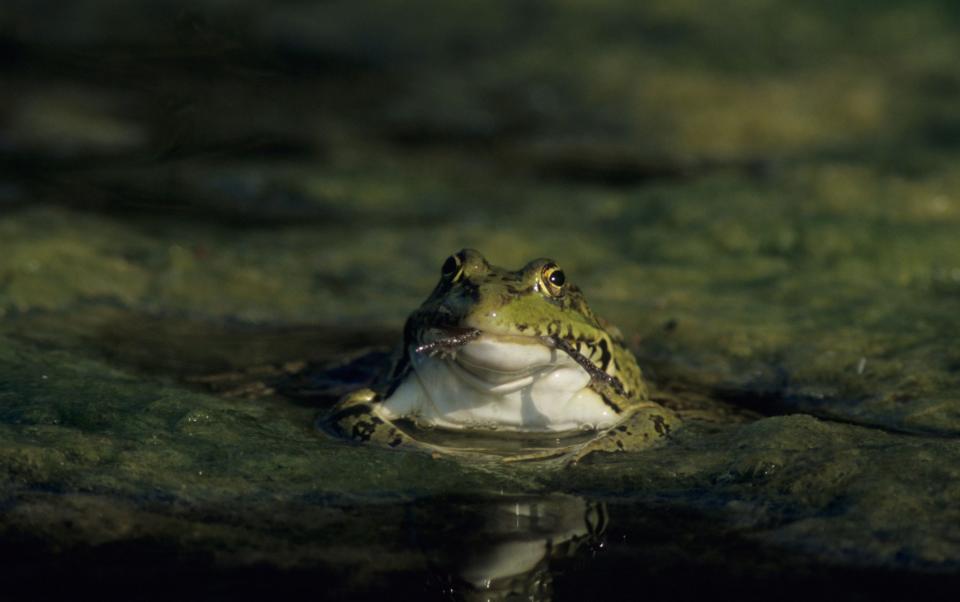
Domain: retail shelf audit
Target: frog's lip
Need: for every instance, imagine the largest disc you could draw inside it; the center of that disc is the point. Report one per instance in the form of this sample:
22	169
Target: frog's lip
494	360
457	337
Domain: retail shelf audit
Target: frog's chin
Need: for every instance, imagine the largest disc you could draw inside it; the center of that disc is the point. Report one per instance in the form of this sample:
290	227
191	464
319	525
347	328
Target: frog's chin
500	382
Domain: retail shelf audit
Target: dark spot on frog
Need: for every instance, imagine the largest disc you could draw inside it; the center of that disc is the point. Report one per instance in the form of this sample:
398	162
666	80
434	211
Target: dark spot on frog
660	425
670	325
604	355
397	438
521	327
363	430
471	290
615	407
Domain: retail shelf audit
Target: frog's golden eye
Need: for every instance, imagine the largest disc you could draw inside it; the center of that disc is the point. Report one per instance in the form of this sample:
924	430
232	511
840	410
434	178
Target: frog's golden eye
553	279
452	267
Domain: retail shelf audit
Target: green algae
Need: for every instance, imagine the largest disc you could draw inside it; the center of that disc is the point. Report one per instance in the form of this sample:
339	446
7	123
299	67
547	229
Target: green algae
839	491
788	315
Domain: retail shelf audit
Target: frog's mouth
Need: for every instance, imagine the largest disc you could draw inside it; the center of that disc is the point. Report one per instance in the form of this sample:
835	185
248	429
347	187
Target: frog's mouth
491	359
468	378
504	359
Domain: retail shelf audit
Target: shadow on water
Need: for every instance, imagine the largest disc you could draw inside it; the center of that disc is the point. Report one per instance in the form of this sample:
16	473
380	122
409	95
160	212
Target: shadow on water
491	547
186	347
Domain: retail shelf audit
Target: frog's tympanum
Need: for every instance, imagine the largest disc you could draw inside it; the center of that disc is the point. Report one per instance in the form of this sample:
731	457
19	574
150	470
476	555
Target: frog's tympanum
507	355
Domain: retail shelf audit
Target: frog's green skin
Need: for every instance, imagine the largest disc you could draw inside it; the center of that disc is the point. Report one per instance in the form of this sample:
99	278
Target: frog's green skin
526	306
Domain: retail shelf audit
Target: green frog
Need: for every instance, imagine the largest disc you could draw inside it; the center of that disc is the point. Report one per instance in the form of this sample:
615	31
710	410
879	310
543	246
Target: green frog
506	355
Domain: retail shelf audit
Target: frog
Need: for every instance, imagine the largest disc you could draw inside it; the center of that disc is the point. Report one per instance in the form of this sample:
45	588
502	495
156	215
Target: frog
506	354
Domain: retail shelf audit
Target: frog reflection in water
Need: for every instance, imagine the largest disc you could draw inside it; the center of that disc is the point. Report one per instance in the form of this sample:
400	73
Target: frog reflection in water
508	546
505	352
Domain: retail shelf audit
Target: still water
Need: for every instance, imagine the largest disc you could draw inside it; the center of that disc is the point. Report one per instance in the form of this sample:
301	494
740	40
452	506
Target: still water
214	218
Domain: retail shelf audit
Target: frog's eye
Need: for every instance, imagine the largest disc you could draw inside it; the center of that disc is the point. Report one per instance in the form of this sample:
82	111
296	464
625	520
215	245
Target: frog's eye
553	279
451	267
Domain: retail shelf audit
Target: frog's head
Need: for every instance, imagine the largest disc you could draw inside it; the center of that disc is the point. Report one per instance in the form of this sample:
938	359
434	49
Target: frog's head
535	301
510	349
512	319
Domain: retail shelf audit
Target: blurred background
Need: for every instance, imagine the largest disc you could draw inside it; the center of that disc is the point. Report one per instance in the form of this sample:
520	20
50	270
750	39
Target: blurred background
761	194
